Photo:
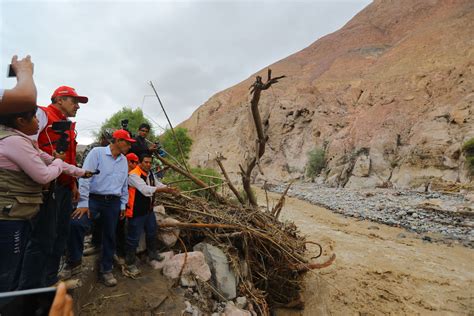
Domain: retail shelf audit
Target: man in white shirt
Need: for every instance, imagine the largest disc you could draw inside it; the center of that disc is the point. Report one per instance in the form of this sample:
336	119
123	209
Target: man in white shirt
141	188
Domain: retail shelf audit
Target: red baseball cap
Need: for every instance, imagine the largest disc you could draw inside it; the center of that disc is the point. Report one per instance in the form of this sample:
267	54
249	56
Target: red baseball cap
65	91
123	134
132	156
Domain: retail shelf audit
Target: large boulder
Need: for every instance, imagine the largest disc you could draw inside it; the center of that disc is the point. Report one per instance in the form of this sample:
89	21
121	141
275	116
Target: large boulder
194	263
223	277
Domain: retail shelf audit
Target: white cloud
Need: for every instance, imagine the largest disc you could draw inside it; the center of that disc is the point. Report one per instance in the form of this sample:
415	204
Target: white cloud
110	50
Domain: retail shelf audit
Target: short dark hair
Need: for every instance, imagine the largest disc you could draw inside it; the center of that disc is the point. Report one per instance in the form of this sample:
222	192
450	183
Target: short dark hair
143	156
144	125
9	120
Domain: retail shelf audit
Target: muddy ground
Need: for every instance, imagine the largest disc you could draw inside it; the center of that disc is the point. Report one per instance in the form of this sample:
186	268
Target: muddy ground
150	294
380	270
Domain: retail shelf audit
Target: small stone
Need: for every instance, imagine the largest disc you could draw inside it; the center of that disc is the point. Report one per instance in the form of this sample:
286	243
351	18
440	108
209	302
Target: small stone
241	302
189	307
401	235
232	310
187	281
427	238
373	227
195	263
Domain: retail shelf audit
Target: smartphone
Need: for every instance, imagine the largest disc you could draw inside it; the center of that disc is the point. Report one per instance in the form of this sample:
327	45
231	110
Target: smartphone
11	71
27	302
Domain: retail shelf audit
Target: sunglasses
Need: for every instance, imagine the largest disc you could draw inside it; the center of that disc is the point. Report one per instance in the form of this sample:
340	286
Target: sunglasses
133	161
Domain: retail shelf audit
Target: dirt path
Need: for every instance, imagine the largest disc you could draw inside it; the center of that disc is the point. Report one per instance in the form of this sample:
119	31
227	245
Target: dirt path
380	269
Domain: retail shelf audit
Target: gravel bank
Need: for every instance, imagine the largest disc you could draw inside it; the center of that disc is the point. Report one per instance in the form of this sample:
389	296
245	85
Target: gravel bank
436	216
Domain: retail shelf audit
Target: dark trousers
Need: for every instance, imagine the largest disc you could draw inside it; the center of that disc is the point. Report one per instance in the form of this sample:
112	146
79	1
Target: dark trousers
120	234
13	239
135	228
109	212
48	240
121	237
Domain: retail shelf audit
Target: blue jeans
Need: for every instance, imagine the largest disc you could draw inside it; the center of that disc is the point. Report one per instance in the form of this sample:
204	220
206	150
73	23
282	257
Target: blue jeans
48	240
13	238
135	228
109	212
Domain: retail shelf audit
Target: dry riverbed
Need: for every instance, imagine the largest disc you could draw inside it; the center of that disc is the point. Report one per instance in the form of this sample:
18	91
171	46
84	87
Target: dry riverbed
379	269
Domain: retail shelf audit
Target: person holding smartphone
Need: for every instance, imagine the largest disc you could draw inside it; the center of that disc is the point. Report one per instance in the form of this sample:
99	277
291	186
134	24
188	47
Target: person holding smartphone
22	97
48	238
24	170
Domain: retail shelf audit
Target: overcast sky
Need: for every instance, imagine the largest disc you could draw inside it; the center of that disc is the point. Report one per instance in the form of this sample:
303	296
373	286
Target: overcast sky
110	50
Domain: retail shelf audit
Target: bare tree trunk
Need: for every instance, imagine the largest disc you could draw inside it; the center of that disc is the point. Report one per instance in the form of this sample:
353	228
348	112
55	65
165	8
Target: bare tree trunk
256	89
219	159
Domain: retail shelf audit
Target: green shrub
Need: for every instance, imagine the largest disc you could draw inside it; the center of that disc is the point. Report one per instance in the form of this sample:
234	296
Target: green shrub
209	176
470	164
316	162
468	147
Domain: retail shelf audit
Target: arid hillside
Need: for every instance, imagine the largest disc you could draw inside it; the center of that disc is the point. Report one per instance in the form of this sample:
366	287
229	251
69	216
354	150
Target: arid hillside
389	97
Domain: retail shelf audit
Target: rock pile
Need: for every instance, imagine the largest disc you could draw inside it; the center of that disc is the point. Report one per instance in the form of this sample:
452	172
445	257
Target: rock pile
228	251
449	215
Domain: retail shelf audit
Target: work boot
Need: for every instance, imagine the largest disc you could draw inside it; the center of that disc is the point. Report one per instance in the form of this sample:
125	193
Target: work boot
108	279
119	260
130	257
132	270
152	250
70	270
155	256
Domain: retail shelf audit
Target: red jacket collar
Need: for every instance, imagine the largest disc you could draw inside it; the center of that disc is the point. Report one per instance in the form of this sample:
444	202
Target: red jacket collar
57	111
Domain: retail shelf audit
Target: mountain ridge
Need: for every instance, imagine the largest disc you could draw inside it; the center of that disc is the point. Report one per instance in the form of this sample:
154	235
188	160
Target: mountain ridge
389	96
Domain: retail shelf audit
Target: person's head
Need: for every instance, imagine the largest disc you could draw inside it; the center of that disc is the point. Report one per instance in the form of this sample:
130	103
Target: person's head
143	130
132	160
145	162
106	136
25	122
122	141
67	100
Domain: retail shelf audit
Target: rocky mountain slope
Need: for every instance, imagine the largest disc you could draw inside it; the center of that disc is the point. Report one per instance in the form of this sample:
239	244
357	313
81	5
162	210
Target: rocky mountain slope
390	97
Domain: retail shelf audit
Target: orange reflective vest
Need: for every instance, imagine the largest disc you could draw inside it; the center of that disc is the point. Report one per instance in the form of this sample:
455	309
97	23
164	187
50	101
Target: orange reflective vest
138	204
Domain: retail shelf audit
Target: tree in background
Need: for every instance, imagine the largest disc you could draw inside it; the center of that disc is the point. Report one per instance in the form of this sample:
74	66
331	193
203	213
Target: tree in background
134	117
168	141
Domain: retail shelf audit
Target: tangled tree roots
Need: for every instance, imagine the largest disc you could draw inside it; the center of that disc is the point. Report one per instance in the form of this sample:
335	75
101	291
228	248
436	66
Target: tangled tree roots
267	256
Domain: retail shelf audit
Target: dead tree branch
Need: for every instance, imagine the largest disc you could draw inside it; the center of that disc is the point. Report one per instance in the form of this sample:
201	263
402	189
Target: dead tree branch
281	202
219	159
256	89
195	179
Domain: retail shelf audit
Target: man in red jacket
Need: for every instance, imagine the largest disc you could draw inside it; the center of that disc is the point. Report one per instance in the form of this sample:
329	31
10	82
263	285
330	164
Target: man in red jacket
51	225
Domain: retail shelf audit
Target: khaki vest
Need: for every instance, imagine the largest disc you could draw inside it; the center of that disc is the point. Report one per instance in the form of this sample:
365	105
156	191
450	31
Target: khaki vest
20	196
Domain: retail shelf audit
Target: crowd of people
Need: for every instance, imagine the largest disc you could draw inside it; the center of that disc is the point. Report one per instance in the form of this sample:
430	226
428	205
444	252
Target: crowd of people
48	204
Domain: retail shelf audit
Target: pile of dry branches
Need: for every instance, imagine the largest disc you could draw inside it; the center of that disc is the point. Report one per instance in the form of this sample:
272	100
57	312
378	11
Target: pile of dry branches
267	256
